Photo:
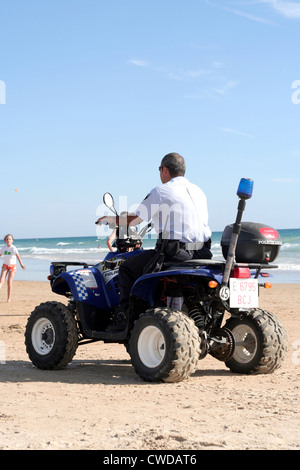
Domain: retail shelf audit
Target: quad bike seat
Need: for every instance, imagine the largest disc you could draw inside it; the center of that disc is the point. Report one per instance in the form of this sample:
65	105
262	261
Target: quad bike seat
192	263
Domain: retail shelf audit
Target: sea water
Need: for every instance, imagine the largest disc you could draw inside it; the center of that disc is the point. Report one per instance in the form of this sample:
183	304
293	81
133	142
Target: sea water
38	253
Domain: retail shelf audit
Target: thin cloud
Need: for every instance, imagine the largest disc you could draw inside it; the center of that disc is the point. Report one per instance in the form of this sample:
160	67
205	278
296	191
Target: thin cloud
140	63
287	9
286	180
188	74
184	76
217	64
145	64
228	86
192	75
244	14
195	73
233	131
177	75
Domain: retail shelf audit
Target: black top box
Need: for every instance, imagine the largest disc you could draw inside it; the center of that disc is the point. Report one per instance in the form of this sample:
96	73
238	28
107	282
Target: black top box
257	243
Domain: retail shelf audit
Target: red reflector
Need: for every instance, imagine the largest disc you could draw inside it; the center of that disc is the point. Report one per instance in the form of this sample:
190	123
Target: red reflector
212	284
241	273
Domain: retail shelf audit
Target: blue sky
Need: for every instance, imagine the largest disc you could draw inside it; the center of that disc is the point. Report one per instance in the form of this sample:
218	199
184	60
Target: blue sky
93	93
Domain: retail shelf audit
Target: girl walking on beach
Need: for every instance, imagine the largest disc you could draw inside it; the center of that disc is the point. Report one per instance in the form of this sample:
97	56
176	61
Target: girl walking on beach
9	268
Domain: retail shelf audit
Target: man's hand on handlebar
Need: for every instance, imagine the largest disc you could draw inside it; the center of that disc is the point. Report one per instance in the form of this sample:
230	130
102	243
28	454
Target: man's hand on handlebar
107	219
123	219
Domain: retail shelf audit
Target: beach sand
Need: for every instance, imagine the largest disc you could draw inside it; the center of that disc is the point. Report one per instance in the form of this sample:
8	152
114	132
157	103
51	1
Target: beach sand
98	401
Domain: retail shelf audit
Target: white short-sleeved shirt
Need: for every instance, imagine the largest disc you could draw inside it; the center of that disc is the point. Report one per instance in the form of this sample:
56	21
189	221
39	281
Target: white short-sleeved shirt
179	208
9	254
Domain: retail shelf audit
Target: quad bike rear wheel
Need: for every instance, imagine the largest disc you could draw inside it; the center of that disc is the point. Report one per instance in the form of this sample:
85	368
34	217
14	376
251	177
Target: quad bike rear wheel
260	342
51	336
164	345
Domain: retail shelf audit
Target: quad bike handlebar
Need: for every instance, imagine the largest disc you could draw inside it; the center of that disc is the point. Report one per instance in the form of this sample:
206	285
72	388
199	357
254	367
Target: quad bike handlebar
127	235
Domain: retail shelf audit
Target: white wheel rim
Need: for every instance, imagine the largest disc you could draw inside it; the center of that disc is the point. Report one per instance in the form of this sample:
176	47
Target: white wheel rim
43	336
245	344
151	346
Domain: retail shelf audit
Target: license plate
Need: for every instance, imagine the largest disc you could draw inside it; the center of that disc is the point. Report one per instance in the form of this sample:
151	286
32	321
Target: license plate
243	293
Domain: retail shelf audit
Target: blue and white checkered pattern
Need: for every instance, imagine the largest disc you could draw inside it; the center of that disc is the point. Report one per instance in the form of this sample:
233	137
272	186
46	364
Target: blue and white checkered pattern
80	285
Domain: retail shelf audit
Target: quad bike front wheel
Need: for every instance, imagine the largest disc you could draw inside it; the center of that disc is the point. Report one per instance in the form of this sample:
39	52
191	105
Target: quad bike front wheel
51	336
164	345
260	342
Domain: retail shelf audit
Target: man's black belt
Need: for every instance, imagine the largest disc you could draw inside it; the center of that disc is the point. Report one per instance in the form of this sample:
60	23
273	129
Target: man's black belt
191	246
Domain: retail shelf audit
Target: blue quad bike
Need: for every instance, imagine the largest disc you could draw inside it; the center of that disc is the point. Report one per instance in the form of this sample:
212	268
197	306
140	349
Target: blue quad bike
177	315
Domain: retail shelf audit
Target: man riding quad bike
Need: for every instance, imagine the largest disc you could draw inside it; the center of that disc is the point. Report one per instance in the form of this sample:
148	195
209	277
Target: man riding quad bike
176	314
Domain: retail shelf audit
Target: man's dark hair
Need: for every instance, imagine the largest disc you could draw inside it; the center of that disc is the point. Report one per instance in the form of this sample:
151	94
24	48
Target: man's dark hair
175	163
